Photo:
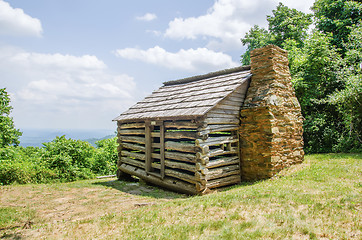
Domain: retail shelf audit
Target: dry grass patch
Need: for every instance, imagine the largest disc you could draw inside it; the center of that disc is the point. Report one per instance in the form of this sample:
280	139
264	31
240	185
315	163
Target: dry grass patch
54	209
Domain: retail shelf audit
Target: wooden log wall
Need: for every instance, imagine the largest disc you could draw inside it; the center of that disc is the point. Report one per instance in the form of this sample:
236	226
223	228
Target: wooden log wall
218	161
178	160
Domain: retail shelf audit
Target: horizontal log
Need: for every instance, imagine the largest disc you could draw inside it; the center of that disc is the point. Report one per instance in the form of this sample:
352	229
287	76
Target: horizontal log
132	162
155	134
156	165
218	152
140	156
223	175
222	172
156	145
233	179
217	173
182	176
181	125
180	146
218	128
222	162
170	183
156	155
218	110
181	134
141	140
222	121
212	141
131	131
133	146
185	157
179	165
131	125
223	115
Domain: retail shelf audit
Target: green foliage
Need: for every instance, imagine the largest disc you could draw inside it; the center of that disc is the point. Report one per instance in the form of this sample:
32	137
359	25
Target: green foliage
288	24
78	151
61	160
353	46
8	134
70	158
256	38
106	156
336	16
23	165
348	100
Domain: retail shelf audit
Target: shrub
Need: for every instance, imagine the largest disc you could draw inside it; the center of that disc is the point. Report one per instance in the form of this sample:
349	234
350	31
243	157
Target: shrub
106	156
61	160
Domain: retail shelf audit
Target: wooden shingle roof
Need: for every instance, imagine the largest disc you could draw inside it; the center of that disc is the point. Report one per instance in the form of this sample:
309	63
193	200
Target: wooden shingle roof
188	97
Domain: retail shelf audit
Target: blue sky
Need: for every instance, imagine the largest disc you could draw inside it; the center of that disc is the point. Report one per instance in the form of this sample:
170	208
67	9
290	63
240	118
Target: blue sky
77	64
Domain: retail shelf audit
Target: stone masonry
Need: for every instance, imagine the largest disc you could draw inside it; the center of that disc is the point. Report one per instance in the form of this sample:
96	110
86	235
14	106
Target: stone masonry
271	120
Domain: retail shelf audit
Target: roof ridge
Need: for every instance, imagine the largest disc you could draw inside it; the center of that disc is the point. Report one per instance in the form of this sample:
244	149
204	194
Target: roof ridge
208	75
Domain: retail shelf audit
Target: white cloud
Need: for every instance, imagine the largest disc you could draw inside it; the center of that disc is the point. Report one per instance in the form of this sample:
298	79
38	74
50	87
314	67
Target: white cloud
200	59
69	77
147	17
59	61
14	22
227	21
72	88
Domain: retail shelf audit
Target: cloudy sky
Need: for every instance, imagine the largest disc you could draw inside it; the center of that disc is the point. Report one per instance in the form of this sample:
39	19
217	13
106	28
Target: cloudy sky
77	64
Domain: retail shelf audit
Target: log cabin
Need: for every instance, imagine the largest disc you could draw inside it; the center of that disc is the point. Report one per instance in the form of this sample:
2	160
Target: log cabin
207	132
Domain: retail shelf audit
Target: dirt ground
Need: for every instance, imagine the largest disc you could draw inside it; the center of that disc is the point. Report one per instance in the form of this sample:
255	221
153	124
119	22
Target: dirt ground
50	208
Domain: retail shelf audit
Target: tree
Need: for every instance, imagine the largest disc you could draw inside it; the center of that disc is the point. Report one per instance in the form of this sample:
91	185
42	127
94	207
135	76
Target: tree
336	16
289	24
8	134
256	38
317	71
348	100
285	24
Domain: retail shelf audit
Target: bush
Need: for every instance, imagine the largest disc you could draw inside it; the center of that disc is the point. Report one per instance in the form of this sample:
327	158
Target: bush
106	156
23	165
61	160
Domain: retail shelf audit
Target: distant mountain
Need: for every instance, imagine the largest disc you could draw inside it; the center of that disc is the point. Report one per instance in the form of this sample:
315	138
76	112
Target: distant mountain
94	140
36	137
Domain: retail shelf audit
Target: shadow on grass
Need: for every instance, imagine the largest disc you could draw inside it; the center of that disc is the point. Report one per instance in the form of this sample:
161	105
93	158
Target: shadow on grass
138	187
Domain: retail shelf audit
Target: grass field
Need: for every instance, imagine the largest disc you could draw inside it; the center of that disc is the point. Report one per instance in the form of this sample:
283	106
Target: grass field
319	199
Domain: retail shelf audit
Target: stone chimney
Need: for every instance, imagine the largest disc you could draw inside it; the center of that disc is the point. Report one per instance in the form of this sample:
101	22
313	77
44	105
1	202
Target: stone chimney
271	133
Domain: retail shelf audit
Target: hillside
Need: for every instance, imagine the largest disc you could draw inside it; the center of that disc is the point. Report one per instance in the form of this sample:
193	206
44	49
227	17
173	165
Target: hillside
36	137
319	199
